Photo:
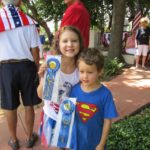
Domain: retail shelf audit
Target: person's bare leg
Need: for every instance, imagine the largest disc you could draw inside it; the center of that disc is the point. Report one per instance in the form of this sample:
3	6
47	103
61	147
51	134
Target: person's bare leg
143	61
29	120
11	116
137	61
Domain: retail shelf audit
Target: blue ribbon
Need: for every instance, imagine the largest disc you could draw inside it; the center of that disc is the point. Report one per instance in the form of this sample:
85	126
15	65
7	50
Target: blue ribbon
53	66
67	107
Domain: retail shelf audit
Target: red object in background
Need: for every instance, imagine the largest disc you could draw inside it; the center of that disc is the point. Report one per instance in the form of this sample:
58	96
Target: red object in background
50	52
77	15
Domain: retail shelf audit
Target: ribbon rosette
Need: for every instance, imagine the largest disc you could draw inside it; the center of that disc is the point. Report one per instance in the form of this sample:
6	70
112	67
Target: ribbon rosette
64	125
53	65
51	81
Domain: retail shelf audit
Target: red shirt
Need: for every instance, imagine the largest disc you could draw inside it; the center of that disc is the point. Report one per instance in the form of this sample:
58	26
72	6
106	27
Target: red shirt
77	15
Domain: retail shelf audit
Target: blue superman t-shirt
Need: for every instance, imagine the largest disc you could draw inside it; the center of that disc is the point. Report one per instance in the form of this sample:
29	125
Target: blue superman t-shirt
92	108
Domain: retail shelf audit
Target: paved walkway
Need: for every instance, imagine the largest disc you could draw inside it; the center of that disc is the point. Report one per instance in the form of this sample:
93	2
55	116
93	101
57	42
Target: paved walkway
131	90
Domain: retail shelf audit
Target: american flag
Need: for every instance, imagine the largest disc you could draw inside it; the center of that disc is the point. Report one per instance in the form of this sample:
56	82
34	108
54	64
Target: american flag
136	20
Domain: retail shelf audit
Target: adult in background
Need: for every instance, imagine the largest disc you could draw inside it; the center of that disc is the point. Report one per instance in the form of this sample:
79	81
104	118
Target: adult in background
77	15
19	60
142	42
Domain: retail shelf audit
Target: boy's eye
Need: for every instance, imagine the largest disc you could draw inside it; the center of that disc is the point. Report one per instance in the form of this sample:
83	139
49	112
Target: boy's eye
81	71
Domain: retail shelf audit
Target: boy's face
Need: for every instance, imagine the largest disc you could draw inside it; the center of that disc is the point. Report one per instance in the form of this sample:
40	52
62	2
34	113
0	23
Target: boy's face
88	74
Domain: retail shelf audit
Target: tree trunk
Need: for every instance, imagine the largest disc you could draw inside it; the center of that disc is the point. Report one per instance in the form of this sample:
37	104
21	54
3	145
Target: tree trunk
55	24
117	29
110	22
48	32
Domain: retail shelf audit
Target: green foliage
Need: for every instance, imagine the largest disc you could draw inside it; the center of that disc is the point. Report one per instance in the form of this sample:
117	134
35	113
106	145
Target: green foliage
98	10
132	133
47	9
112	67
134	5
50	9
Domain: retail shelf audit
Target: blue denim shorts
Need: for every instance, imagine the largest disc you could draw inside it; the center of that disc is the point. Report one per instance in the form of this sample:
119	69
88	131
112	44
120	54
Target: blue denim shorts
18	82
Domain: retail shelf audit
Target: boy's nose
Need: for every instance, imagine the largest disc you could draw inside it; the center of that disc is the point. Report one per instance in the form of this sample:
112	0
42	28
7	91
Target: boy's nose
85	75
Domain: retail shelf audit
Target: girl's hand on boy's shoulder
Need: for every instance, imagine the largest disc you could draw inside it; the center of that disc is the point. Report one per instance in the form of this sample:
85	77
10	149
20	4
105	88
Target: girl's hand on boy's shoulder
99	147
42	69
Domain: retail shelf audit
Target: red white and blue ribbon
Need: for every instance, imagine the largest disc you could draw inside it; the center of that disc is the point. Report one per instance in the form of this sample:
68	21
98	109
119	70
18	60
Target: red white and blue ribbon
46	129
11	17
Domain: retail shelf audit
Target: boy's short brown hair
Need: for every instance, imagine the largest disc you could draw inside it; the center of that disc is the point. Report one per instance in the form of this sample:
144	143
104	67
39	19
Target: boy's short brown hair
92	56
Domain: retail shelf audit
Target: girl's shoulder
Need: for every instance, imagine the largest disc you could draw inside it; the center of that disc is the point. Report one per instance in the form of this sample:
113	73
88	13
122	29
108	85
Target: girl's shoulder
74	73
72	78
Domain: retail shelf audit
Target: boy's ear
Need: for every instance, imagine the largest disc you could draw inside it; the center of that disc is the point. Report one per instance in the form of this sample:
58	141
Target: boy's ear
101	71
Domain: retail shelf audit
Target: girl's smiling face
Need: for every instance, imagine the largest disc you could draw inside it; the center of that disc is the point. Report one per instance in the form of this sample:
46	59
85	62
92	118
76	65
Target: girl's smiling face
69	43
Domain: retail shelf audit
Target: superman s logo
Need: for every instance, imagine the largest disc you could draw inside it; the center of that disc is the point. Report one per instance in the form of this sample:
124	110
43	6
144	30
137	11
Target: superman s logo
86	111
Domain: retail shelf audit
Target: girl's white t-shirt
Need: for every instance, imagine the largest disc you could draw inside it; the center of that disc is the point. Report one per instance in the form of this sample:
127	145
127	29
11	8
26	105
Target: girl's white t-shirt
65	84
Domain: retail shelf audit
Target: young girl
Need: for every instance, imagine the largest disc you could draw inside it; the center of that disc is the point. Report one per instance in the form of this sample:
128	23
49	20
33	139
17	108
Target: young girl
70	44
95	107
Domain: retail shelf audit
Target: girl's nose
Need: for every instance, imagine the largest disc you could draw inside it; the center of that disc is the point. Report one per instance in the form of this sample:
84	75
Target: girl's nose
69	43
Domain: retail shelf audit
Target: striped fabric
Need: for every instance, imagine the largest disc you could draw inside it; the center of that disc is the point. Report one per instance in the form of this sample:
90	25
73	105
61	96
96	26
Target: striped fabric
136	21
11	17
46	129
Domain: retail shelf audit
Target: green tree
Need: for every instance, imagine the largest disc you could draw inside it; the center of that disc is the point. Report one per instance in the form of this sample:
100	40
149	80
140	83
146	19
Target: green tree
44	11
102	12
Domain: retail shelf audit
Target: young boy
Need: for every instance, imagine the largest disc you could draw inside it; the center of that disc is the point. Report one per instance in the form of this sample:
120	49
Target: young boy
95	107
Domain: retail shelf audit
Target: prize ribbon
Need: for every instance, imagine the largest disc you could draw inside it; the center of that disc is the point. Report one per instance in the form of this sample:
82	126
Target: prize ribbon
64	124
53	67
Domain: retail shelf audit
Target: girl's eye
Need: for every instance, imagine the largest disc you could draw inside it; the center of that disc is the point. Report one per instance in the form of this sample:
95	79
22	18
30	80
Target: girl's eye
74	40
64	41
